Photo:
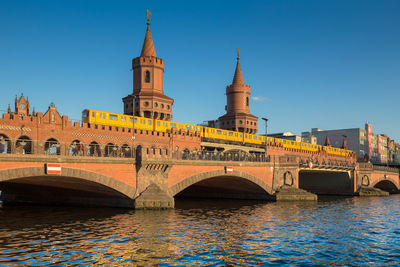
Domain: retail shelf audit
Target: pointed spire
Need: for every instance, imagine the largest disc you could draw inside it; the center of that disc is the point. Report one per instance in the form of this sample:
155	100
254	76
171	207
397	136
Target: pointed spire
148	46
327	141
238	77
344	146
9	109
33	112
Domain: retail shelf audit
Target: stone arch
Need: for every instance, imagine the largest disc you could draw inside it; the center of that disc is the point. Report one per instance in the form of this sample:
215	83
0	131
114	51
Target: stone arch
110	150
5	144
26	172
24	145
52	146
126	151
93	149
385	179
175	189
76	148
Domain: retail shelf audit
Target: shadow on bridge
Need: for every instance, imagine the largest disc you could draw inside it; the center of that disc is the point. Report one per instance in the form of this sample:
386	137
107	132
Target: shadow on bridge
323	182
75	187
214	185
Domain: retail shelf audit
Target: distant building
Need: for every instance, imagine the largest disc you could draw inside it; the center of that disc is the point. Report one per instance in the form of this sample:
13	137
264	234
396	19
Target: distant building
286	135
378	148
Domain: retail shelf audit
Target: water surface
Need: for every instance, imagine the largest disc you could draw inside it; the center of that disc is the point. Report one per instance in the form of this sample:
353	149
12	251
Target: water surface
332	231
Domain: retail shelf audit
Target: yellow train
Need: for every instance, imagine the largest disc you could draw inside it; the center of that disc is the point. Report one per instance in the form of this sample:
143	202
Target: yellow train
141	123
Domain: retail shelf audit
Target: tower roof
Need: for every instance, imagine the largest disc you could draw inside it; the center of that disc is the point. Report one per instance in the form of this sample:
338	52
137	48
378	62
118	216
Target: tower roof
238	77
148	46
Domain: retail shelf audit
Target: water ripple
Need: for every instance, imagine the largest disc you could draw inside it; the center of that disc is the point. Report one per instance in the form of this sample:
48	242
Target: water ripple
339	232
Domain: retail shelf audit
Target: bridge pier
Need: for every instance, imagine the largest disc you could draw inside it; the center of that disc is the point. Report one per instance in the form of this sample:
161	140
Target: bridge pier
152	185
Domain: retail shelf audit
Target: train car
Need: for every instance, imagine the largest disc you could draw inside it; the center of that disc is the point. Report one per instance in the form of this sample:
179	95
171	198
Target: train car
141	123
105	118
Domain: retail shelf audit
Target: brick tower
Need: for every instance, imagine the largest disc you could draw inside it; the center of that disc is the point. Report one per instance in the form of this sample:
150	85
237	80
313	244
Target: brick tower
148	97
22	106
238	117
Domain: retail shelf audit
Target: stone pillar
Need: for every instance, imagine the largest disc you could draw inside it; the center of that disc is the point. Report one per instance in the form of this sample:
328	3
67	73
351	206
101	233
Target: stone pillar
152	184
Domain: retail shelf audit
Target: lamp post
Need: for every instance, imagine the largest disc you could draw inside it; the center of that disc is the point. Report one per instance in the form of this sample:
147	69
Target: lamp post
133	127
266	139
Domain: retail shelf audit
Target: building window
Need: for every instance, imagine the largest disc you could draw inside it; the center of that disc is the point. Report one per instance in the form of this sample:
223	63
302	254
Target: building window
156	104
146	104
162	105
240	122
168	107
247	101
147	76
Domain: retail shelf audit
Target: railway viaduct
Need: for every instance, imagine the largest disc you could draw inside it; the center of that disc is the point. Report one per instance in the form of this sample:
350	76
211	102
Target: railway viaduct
153	181
105	166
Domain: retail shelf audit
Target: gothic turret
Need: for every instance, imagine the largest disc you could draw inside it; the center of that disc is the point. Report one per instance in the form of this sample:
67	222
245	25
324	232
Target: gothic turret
148	92
238	117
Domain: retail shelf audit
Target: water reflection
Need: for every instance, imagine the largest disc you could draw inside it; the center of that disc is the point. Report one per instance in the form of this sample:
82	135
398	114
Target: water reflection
334	231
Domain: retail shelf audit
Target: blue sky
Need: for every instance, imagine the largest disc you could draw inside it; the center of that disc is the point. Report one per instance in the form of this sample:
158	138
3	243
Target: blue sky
325	64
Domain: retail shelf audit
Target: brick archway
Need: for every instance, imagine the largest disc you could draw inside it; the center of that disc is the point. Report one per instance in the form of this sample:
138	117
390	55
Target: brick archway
191	180
388	179
26	172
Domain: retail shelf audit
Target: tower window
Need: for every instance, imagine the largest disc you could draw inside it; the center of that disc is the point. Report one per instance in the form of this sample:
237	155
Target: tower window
147	76
247	101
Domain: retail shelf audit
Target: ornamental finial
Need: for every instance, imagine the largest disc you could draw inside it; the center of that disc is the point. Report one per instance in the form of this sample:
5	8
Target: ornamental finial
148	16
238	53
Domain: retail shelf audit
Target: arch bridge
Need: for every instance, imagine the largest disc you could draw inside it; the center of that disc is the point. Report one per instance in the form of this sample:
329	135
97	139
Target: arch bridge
153	179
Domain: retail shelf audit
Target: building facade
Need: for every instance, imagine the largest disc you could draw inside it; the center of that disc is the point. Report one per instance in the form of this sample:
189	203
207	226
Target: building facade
377	148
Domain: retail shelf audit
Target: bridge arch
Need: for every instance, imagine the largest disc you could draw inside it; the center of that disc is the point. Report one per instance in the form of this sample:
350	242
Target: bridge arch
237	175
94	184
386	184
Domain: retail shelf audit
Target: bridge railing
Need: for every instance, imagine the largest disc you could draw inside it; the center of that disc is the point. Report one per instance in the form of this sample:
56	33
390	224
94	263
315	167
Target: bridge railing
52	147
327	163
385	168
220	156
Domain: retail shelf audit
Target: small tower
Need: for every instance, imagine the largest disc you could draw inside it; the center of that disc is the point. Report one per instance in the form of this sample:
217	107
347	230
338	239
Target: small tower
238	117
148	92
22	106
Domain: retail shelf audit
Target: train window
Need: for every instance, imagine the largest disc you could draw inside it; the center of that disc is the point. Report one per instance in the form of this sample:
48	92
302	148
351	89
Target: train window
240	135
219	132
150	122
158	123
236	134
224	133
173	125
142	121
284	141
113	117
255	137
265	139
230	134
245	135
188	127
292	143
93	114
104	115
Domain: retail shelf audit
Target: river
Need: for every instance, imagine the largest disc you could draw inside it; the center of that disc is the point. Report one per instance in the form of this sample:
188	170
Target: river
333	231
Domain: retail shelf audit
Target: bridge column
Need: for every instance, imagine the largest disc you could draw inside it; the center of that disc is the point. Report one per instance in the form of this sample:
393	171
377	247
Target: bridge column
152	185
286	180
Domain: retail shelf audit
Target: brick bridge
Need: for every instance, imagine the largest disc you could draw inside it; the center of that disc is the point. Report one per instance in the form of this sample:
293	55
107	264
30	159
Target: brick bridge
101	166
155	180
